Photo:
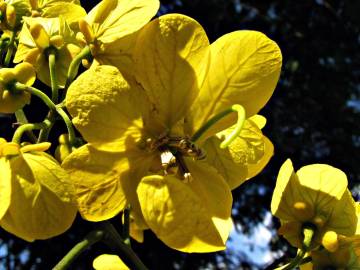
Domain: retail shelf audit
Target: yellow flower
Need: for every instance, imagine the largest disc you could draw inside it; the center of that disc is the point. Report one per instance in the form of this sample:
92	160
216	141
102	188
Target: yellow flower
69	9
35	200
109	262
110	26
11	101
37	36
316	194
140	150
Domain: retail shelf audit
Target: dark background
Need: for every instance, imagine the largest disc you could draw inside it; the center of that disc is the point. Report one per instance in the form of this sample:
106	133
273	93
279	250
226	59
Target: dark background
313	117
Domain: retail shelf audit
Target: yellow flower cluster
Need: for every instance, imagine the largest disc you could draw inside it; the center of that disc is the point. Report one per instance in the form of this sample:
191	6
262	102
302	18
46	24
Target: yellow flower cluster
170	122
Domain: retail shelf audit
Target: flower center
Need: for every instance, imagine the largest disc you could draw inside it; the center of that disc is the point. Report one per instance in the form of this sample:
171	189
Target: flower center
173	149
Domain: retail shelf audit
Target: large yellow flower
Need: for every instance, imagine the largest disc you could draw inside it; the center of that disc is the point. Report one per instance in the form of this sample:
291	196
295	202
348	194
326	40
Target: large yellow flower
141	147
110	26
316	194
37	36
35	201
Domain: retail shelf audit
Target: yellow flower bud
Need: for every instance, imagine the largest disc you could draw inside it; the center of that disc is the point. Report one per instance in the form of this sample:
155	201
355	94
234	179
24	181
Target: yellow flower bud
40	147
57	41
86	63
40	36
10	16
10	103
9	149
64	149
85	28
6	75
32	56
330	241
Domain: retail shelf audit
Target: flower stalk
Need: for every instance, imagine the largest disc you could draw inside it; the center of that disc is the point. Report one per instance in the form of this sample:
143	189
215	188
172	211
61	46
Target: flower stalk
21	87
90	239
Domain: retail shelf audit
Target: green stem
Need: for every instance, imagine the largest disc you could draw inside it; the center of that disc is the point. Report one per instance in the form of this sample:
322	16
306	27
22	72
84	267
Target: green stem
126	225
126	253
10	49
4	42
21	87
27	127
74	65
239	124
90	239
308	232
21	118
44	133
53	77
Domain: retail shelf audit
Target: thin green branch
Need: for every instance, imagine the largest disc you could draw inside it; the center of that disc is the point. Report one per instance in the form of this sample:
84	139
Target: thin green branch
74	66
21	119
115	241
53	77
10	49
27	127
21	87
90	239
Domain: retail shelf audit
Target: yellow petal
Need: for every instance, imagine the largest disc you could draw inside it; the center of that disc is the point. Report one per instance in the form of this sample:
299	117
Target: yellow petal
102	105
171	58
105	182
11	102
64	57
285	178
5	185
40	35
109	262
245	67
119	54
255	168
41	202
96	176
193	217
71	12
114	19
324	178
343	219
25	73
246	156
